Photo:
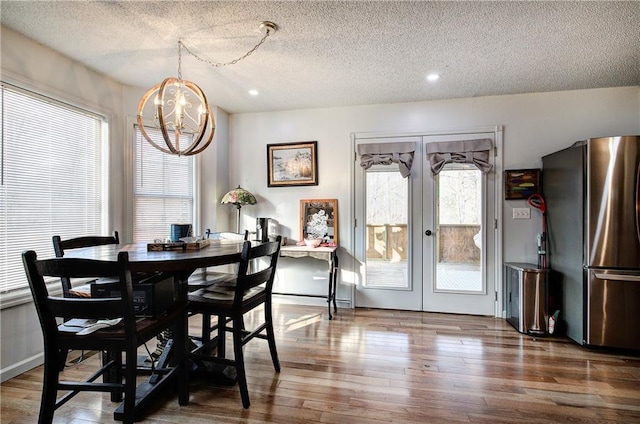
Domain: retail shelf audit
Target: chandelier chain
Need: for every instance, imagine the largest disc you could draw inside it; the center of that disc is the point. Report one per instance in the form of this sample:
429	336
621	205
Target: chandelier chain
180	45
219	64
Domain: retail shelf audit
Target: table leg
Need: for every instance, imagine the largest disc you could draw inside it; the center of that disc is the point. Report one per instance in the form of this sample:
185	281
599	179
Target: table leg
331	297
330	291
334	271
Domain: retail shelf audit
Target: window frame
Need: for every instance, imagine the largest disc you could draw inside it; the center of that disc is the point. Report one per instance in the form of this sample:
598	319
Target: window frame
130	201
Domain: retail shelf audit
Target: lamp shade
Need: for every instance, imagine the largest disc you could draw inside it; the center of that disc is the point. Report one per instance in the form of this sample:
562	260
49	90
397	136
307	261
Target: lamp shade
239	196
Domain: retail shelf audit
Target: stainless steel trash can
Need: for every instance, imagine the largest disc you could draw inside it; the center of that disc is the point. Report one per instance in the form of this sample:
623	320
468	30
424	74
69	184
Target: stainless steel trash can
526	294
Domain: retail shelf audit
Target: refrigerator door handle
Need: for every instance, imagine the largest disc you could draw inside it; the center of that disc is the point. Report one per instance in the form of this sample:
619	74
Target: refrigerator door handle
617	277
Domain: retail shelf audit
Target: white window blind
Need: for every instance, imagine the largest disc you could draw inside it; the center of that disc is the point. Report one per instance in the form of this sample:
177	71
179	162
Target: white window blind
51	178
163	189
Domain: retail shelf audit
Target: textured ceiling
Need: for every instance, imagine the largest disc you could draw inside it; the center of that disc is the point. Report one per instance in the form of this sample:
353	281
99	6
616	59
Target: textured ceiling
338	53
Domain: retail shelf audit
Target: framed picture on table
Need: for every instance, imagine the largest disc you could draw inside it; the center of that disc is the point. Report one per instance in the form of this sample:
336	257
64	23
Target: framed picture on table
319	219
292	164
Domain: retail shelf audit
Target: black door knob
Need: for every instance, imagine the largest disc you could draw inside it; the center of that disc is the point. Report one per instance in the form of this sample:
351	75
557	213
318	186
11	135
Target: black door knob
427	233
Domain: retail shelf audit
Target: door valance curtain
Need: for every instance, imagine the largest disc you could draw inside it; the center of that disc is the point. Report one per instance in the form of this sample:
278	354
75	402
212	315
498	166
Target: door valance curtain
462	151
386	154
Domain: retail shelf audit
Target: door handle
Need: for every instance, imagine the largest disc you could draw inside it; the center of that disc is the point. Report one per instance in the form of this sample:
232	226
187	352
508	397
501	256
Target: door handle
428	233
617	277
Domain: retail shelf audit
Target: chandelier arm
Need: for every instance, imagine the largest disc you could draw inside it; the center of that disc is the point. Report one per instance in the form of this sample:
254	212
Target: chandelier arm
192	149
161	121
203	128
148	138
141	124
206	144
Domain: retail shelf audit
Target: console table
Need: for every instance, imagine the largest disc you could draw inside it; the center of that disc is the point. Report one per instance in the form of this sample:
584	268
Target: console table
327	254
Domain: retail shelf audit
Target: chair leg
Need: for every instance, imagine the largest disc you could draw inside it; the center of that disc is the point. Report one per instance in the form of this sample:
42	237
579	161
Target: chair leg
49	393
222	336
271	339
114	373
62	358
206	333
239	360
181	362
130	369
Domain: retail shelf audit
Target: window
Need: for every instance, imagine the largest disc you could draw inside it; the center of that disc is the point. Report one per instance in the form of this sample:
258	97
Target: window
163	190
387	219
52	177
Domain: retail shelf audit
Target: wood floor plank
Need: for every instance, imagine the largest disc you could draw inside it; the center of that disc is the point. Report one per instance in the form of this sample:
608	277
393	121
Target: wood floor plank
371	366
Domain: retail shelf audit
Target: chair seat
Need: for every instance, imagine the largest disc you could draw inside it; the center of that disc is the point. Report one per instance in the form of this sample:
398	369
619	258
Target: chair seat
217	296
205	280
209	277
115	336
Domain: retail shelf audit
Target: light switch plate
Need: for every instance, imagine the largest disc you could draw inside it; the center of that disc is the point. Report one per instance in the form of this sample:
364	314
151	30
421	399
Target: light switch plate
521	213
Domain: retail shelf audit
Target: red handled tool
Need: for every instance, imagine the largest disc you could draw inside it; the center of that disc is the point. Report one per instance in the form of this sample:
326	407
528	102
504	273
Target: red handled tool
537	202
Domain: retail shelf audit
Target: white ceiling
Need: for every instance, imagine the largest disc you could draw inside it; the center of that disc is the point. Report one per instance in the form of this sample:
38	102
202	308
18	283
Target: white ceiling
338	53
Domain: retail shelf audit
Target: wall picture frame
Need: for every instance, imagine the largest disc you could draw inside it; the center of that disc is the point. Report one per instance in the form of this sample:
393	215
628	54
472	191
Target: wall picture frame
521	183
292	164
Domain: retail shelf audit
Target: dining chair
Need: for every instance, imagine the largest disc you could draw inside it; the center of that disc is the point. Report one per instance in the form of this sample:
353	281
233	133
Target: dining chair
60	246
100	324
208	276
230	301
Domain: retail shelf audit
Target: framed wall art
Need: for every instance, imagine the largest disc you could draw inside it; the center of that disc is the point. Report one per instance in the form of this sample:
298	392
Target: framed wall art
292	164
521	183
319	219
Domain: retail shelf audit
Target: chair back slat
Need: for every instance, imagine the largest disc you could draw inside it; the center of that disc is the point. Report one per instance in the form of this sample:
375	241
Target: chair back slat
270	252
88	308
78	268
59	247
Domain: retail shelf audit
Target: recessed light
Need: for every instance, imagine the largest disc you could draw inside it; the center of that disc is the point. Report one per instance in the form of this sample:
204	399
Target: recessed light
433	77
254	92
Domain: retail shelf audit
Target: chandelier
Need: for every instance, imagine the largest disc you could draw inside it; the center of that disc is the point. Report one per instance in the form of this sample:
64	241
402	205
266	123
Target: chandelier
180	109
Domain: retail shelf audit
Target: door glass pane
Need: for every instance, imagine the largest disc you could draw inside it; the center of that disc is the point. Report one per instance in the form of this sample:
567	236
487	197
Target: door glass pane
458	229
387	205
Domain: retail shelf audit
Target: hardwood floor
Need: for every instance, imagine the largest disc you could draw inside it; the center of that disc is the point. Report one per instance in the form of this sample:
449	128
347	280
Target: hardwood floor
378	366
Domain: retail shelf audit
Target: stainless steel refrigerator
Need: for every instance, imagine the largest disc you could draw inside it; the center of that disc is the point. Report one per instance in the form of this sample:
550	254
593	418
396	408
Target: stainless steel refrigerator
592	193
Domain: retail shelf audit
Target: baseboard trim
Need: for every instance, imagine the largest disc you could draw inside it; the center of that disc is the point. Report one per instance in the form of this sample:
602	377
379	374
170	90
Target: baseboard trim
23	366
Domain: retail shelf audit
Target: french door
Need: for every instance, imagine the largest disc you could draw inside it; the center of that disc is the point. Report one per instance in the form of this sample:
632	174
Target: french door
458	241
385	249
426	242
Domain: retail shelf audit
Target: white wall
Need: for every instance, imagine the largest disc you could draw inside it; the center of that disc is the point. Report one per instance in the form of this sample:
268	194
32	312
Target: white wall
534	125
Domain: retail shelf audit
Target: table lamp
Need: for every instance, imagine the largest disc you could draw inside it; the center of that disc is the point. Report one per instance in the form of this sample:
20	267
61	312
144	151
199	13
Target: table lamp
238	197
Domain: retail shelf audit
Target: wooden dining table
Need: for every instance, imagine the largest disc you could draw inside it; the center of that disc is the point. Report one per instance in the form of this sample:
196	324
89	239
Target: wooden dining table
180	263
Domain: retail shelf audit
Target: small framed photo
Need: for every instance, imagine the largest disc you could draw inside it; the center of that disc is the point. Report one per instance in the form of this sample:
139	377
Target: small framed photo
292	164
521	183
